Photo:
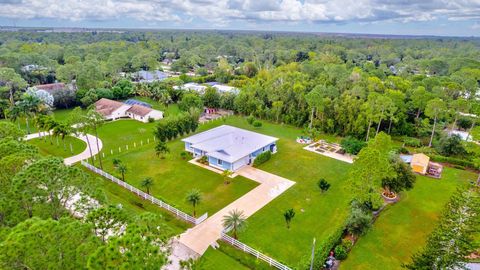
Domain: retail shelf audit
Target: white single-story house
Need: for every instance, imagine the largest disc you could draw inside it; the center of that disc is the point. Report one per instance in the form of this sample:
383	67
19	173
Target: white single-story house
221	88
229	148
113	110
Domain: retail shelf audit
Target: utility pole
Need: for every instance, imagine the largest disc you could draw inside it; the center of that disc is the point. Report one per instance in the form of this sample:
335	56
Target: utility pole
313	253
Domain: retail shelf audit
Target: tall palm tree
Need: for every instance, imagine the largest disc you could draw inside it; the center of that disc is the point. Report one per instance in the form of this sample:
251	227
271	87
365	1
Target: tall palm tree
14	113
29	105
50	124
235	220
96	120
147	183
62	130
288	215
122	168
194	197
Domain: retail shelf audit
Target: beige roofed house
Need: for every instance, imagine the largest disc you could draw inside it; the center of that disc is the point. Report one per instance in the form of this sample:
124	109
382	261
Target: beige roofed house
111	109
420	163
142	113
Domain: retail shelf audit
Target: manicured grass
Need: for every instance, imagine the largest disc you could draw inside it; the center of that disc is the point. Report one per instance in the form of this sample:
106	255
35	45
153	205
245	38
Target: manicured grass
169	110
173	177
115	134
216	259
317	215
402	229
48	146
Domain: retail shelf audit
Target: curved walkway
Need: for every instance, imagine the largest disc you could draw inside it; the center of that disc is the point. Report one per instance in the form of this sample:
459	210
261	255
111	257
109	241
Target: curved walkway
83	155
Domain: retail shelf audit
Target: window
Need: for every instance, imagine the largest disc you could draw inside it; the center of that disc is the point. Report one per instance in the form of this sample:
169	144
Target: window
219	161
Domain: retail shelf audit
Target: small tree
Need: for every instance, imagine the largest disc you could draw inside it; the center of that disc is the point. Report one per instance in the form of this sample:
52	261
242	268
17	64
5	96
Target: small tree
235	220
147	183
352	145
404	179
359	221
323	185
194	197
288	215
183	155
257	124
226	176
122	168
161	149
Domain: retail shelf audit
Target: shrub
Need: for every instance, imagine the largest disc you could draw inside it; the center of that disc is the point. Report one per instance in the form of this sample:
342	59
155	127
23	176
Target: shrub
358	221
250	119
203	160
257	124
151	120
451	146
183	155
403	150
352	145
412	142
340	252
323	185
262	158
322	251
347	243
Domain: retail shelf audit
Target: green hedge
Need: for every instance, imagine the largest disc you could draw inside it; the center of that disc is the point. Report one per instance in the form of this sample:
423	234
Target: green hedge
322	250
454	161
262	158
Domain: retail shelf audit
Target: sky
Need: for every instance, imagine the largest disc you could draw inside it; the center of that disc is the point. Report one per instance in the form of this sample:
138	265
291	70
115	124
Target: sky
399	17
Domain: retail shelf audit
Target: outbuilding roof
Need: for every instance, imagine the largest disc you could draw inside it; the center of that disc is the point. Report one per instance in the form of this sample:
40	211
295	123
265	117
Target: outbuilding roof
420	159
107	106
229	143
139	110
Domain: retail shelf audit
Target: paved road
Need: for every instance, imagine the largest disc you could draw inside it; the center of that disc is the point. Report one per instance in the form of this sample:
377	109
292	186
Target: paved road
200	237
83	155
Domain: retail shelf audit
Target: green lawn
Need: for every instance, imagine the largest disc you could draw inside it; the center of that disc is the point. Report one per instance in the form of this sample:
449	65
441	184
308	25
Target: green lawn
216	259
171	110
317	215
402	229
173	177
48	146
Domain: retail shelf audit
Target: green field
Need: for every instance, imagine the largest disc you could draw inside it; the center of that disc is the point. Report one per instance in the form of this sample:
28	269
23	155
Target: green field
48	146
402	229
173	177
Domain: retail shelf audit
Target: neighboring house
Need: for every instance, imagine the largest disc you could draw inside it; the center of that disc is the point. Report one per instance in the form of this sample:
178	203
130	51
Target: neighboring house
52	88
113	110
151	76
192	86
229	148
141	113
221	88
30	68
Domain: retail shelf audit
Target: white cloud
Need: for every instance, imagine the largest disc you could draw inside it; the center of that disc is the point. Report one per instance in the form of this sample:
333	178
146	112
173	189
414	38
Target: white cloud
225	12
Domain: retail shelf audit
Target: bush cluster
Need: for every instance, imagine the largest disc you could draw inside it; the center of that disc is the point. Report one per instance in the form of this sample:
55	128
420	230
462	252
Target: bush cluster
454	161
412	142
169	128
262	158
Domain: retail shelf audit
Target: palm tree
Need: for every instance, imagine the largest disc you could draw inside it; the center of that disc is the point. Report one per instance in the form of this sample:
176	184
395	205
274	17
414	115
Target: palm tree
147	183
116	162
50	124
288	215
14	114
194	197
161	149
62	130
122	168
96	120
235	220
226	176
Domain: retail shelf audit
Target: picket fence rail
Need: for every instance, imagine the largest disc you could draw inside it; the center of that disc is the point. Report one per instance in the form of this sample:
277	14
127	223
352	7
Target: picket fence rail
146	196
243	247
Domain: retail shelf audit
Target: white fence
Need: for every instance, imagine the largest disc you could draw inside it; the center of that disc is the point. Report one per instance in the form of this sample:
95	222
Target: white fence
146	196
239	245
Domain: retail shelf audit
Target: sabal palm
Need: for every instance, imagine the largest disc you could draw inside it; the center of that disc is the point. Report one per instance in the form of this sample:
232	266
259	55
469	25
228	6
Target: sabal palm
235	220
288	215
194	197
122	168
147	183
62	130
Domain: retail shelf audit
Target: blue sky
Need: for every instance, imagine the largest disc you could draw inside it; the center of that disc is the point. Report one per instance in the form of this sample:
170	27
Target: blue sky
427	17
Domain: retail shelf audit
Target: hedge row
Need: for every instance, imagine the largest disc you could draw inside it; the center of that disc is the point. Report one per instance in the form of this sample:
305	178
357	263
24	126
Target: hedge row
454	161
322	250
262	158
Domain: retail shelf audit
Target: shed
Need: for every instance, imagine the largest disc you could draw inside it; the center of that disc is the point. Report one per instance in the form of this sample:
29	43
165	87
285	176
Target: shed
420	163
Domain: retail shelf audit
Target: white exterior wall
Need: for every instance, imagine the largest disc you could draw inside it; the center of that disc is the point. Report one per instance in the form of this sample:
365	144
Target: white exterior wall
120	112
241	162
155	115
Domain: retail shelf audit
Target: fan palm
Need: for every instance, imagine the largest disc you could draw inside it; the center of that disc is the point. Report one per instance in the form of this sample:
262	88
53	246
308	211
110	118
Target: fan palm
194	197
235	220
147	183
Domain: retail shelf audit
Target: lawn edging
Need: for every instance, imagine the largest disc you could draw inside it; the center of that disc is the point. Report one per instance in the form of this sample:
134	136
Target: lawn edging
147	197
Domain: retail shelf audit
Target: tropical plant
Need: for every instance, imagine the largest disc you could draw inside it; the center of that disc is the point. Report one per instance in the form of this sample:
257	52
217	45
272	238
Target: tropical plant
226	174
323	185
116	162
235	220
147	183
194	197
122	168
161	149
288	215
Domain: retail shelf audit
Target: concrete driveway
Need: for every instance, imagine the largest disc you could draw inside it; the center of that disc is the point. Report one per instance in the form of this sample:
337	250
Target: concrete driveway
200	237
